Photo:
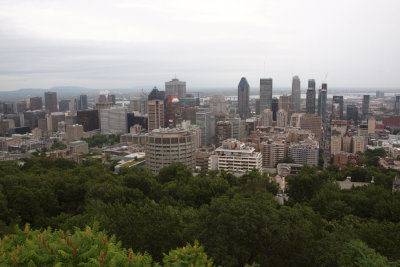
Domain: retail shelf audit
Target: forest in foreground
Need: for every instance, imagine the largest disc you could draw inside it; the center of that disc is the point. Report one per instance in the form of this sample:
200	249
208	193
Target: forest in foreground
176	218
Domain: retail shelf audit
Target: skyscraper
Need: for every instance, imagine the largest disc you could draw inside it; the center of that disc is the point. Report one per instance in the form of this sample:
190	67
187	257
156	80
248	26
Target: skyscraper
352	113
397	105
275	107
206	121
265	94
296	93
35	103
266	117
322	97
310	100
83	103
285	102
50	99
243	98
156	109
311	84
337	108
365	106
175	87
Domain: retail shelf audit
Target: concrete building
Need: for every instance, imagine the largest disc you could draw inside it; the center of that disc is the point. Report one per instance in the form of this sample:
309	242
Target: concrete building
266	118
167	145
285	102
371	125
175	87
281	118
113	121
223	131
346	143
218	105
238	128
336	144
312	123
304	152
35	103
156	114
272	152
53	119
358	144
74	132
233	156
206	121
243	98
50	99
296	94
295	119
265	94
79	147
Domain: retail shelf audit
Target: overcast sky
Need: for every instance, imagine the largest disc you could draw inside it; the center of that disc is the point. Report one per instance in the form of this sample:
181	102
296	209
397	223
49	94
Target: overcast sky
209	44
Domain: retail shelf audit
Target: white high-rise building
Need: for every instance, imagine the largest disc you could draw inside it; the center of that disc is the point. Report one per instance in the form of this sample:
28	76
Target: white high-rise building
218	105
281	118
304	152
266	117
233	156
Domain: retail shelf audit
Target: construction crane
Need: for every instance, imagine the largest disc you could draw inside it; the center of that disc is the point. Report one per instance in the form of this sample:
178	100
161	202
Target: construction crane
326	76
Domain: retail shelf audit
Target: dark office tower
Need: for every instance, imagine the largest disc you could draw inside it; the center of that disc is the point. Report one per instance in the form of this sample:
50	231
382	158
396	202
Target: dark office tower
35	103
337	108
296	94
275	107
397	105
352	113
258	107
243	98
265	94
310	100
64	105
111	99
365	106
50	99
89	119
83	104
311	84
322	97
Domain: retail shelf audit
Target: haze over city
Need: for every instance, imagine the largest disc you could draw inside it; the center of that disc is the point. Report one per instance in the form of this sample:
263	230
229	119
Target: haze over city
209	44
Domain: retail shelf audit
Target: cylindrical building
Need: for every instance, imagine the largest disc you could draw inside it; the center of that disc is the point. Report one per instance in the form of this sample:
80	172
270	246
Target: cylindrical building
167	145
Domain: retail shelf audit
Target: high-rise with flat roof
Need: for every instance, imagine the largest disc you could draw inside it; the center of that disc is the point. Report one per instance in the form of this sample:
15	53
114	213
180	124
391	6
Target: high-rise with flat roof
83	102
322	99
275	107
243	98
206	121
352	113
50	99
265	94
156	109
365	106
296	94
310	101
337	108
175	87
397	105
165	145
35	103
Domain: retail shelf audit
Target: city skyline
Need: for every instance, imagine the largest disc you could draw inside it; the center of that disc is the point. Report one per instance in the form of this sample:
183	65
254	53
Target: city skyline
120	44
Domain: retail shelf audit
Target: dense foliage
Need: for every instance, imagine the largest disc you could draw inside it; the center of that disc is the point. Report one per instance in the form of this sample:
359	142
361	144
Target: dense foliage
86	248
236	219
98	140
